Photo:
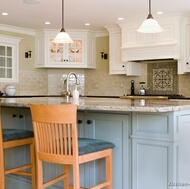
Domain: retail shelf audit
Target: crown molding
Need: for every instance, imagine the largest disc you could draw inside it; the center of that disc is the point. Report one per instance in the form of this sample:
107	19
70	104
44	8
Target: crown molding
102	33
17	29
26	31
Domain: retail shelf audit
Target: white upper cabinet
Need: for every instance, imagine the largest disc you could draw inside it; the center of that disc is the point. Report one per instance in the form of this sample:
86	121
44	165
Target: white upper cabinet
186	67
80	54
116	65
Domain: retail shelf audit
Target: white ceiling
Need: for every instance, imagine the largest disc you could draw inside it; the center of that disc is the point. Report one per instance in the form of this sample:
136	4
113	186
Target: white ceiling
98	13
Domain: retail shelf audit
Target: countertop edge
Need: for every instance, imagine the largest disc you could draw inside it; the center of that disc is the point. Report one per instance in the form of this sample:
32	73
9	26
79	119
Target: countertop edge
103	104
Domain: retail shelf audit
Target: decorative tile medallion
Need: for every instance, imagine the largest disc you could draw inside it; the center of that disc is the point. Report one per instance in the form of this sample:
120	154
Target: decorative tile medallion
162	77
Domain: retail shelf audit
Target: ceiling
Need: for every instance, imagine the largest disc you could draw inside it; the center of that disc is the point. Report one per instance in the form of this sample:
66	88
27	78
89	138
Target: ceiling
98	13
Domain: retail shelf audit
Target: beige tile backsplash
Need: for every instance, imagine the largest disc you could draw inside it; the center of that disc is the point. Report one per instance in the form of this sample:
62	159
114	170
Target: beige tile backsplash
30	83
101	83
184	84
92	82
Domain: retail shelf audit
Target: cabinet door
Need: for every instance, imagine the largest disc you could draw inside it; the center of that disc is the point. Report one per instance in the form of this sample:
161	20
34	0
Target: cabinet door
16	118
58	52
151	164
10	118
81	124
183	151
116	64
25	119
187	48
114	128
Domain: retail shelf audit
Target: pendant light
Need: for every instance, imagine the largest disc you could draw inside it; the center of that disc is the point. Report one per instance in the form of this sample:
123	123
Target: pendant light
63	36
150	25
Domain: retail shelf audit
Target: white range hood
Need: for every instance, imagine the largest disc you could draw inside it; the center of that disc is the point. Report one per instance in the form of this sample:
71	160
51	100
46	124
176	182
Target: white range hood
165	45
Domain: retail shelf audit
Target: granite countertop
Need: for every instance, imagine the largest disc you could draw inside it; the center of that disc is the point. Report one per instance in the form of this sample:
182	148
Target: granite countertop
104	104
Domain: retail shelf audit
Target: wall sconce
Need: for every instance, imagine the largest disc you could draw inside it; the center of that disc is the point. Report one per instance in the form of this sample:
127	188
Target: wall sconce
28	54
104	55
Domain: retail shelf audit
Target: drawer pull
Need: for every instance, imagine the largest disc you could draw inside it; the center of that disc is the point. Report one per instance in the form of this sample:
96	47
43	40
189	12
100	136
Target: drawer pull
89	122
79	121
20	116
14	115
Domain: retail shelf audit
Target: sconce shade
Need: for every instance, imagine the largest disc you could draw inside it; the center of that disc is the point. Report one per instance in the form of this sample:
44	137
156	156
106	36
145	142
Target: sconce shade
150	25
63	36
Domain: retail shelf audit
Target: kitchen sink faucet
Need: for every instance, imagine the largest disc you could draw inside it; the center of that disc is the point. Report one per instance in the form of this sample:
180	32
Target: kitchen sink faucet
68	92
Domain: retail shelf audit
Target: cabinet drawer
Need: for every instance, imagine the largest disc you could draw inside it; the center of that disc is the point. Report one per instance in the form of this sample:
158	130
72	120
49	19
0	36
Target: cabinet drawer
152	125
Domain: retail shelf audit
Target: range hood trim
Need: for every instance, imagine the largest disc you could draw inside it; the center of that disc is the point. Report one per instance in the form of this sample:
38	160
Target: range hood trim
150	45
140	53
153	60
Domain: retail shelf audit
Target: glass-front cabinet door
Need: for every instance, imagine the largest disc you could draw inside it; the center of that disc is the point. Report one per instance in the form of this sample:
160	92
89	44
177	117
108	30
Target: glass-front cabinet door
9	59
62	54
75	51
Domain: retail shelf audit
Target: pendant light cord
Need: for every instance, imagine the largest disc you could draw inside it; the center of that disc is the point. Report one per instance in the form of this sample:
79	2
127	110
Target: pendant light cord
62	13
149	6
150	15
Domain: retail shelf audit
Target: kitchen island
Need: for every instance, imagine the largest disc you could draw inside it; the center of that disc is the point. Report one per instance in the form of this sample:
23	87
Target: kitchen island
151	138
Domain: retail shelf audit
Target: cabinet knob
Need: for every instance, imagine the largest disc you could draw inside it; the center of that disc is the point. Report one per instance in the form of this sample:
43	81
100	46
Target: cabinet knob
187	63
89	122
79	121
123	66
14	115
20	116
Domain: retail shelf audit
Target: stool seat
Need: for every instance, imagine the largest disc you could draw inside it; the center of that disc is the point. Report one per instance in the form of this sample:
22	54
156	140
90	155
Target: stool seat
88	145
16	134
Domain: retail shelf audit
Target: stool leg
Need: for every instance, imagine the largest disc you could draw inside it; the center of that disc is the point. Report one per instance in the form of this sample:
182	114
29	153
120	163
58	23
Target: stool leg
76	176
109	170
32	160
2	171
39	174
67	179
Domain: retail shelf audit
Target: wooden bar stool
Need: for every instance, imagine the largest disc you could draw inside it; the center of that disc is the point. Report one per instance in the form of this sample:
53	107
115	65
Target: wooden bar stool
10	138
56	140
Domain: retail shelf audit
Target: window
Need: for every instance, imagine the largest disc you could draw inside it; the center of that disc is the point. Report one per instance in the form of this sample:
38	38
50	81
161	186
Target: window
9	58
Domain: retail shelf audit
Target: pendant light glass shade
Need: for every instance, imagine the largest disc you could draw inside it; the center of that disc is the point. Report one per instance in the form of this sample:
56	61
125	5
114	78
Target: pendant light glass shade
63	36
150	25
